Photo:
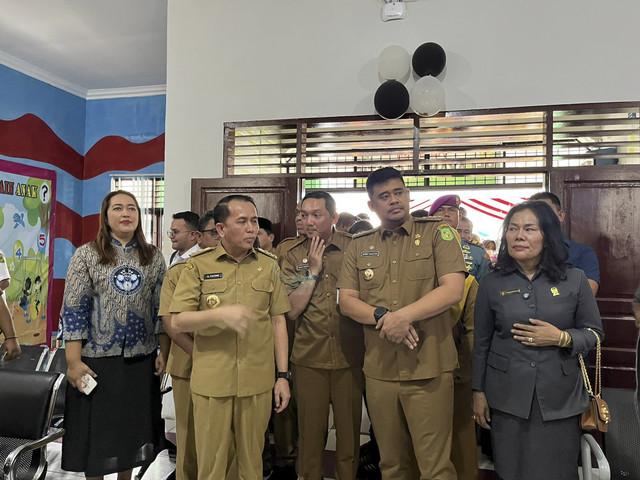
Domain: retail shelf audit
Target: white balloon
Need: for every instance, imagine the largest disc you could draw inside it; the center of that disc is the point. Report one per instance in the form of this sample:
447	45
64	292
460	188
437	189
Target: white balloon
394	63
427	96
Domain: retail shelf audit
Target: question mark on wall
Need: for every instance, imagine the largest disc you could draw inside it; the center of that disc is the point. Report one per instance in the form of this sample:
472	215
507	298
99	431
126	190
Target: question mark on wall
44	193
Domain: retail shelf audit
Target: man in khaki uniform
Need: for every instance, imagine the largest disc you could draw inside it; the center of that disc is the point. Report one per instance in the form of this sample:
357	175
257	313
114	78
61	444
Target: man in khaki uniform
234	300
400	280
286	243
328	348
179	364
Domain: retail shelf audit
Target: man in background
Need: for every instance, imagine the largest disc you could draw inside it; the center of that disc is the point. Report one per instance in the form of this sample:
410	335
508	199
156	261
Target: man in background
345	221
475	257
580	255
265	234
182	233
328	347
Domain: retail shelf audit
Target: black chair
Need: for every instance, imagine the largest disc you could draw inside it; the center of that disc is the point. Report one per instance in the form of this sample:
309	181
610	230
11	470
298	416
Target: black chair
26	406
58	363
32	358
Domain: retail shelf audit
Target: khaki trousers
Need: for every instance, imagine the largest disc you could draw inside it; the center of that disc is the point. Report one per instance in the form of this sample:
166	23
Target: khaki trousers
221	423
316	389
412	421
464	452
186	462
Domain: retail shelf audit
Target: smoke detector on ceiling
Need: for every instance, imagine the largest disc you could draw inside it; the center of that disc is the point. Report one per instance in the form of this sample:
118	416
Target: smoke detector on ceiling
393	10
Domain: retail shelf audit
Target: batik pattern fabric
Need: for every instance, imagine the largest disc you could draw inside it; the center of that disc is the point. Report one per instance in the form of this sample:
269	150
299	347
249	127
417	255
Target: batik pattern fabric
113	308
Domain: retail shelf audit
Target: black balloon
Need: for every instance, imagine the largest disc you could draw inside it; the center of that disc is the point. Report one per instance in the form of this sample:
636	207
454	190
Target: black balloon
391	99
429	59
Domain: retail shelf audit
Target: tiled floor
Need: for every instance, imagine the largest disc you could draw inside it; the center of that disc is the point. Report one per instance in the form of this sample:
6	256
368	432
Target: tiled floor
159	470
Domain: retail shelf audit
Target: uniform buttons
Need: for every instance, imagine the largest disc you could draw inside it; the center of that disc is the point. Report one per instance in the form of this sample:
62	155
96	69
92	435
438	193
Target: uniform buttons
239	282
328	294
324	257
241	341
417	254
326	275
395	302
368	264
530	287
532	364
532	305
394	262
394	242
394	281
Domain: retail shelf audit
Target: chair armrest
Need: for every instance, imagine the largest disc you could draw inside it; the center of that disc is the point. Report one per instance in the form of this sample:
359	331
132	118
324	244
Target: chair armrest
588	445
12	458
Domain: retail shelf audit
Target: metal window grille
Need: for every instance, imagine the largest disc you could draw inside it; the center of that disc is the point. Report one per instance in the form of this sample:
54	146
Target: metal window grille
475	148
149	191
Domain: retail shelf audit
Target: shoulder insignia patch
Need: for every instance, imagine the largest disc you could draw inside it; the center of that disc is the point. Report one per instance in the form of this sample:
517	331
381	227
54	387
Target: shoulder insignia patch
177	264
189	265
203	251
427	219
268	254
368	232
446	233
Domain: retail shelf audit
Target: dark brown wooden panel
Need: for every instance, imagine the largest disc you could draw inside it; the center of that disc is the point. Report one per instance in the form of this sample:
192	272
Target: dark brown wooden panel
275	198
601	205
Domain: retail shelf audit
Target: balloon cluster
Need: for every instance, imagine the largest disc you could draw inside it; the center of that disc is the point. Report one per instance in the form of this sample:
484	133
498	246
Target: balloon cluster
392	99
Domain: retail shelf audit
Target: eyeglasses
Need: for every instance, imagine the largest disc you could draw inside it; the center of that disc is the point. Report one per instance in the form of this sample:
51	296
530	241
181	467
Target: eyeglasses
212	231
173	233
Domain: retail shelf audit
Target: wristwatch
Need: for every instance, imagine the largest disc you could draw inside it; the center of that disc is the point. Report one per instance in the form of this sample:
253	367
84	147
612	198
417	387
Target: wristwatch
378	313
286	375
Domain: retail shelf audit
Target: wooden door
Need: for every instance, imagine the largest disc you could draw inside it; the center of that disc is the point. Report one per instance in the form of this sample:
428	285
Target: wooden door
275	198
602	206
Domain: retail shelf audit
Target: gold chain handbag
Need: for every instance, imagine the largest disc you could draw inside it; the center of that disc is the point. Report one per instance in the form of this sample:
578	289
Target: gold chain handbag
597	417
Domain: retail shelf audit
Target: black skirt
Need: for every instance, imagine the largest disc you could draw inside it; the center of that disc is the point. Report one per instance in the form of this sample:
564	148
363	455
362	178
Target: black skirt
118	426
534	449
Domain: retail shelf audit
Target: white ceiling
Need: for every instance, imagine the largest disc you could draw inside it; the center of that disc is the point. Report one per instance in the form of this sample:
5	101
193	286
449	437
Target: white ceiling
86	46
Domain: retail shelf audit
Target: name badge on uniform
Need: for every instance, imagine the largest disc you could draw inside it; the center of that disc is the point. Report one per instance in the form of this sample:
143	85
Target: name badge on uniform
370	254
213	301
211	276
509	292
368	274
302	267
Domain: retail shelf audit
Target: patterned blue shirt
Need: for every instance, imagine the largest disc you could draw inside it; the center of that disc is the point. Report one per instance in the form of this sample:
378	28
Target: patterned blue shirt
113	308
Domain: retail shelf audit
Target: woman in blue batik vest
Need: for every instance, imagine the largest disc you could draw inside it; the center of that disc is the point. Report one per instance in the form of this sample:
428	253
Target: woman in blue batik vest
111	329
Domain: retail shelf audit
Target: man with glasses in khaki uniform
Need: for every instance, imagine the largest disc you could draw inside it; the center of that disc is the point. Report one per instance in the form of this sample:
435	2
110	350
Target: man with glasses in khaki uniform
179	363
327	347
399	281
233	298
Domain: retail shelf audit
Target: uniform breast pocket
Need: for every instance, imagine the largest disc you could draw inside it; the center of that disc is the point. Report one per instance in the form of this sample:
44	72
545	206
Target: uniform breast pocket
370	272
419	264
212	293
261	290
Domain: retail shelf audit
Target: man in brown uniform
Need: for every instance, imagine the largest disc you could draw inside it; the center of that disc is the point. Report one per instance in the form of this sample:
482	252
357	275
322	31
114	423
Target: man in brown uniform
328	348
179	364
234	300
400	280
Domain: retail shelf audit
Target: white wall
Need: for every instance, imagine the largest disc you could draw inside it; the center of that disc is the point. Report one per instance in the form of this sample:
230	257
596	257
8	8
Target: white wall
268	59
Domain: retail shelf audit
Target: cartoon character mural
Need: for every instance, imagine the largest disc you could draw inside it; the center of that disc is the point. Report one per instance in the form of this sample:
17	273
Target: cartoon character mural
26	209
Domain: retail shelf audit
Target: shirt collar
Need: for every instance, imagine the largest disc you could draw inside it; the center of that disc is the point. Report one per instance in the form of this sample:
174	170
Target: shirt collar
220	252
132	243
404	229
